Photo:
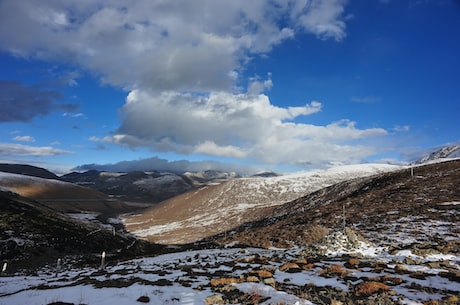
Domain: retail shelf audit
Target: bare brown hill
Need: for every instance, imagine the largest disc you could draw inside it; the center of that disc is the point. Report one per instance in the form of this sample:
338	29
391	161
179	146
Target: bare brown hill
60	195
396	205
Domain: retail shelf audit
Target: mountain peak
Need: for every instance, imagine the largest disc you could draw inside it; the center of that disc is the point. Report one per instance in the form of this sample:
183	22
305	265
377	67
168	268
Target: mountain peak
446	152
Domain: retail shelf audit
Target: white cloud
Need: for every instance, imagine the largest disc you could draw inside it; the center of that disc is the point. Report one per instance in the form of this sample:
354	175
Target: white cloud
8	149
24	139
236	125
403	128
174	45
324	18
211	148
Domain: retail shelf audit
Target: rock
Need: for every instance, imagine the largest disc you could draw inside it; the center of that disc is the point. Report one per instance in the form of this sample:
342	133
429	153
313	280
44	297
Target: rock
436	265
143	299
252	278
214	299
270	281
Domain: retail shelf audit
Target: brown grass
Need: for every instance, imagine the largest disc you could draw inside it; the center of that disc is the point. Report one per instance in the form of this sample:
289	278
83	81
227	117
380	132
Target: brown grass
289	266
369	288
335	269
224	281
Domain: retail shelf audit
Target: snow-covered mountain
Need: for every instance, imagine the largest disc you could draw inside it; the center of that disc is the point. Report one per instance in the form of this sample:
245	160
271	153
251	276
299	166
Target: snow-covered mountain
225	205
447	152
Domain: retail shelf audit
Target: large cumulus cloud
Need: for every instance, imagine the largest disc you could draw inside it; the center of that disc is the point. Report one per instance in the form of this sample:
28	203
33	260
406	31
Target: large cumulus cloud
236	125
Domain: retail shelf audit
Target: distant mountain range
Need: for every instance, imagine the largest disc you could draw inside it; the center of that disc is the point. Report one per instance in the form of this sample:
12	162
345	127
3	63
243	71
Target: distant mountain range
148	187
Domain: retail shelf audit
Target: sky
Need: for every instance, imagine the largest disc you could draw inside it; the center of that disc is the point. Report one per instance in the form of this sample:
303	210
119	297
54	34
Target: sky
243	85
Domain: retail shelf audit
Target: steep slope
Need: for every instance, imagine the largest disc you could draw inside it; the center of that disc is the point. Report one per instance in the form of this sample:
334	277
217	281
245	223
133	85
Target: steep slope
32	235
219	207
386	209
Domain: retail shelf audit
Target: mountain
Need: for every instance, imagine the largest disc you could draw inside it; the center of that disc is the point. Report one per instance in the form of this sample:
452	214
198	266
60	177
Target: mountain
447	152
28	170
217	207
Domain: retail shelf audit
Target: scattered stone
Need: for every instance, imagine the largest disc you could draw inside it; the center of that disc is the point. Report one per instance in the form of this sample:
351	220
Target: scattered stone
214	299
143	299
252	279
270	281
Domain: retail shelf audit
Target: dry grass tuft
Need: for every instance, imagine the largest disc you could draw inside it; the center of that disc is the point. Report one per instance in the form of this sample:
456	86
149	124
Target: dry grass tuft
224	281
369	288
334	270
289	267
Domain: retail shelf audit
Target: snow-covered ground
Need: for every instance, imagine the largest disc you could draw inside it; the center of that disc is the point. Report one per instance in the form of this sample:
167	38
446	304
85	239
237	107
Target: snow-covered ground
187	278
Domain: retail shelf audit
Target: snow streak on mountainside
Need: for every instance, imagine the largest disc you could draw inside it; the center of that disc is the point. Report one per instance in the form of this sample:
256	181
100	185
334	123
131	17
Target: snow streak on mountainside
220	207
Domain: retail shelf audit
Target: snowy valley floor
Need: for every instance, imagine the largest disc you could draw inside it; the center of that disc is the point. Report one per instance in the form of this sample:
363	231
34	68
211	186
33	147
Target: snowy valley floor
249	276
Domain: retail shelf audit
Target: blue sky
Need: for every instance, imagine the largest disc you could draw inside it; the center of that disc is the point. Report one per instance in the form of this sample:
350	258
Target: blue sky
243	85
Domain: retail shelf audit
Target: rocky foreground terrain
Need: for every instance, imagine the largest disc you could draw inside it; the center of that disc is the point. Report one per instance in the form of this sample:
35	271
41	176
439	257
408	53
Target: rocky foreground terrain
392	238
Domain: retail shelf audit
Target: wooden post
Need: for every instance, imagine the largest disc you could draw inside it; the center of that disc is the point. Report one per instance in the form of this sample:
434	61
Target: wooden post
102	261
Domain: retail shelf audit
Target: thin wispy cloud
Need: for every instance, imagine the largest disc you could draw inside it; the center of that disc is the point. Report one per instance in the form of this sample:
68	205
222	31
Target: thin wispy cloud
8	149
24	139
366	99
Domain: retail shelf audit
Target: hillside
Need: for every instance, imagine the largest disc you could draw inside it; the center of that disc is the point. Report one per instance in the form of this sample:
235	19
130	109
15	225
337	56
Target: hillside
33	235
221	206
62	196
386	208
